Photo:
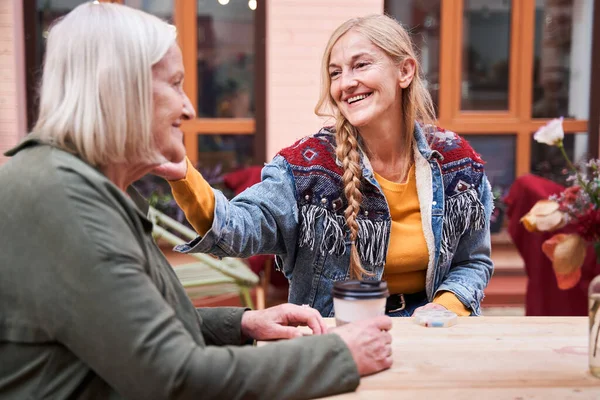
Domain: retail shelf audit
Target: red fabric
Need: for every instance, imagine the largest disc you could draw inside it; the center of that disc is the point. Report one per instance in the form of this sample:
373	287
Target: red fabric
311	151
544	298
460	149
238	181
242	179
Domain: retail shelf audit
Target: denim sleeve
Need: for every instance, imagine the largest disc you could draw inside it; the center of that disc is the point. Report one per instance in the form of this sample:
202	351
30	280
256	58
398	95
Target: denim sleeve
472	266
263	219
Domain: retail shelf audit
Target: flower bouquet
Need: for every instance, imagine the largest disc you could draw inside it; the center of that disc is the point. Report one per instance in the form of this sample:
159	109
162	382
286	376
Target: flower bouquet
579	206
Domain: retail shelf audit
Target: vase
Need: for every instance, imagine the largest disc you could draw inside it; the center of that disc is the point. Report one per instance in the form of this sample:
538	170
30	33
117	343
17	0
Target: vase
594	337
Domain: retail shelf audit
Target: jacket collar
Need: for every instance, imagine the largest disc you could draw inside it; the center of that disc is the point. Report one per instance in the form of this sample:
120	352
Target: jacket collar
29	141
423	141
423	137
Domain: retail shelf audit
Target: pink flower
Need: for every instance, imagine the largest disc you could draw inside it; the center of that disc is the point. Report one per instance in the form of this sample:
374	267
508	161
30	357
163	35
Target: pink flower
588	224
567	252
570	194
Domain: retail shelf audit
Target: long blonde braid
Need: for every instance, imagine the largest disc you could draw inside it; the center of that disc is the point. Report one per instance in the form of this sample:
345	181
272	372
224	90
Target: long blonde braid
347	152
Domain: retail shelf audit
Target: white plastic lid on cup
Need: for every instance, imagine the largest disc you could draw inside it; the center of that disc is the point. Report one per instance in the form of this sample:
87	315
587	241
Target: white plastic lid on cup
355	300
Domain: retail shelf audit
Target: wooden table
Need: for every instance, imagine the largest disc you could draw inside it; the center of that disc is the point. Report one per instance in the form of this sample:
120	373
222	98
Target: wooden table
486	358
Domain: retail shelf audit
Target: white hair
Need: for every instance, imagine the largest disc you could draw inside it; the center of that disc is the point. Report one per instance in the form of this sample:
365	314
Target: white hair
96	89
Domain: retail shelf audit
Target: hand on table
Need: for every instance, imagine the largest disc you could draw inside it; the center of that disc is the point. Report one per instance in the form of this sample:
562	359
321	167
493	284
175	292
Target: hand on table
280	322
430	306
369	342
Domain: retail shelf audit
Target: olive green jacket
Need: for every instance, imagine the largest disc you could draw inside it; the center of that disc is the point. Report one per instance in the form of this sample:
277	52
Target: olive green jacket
91	309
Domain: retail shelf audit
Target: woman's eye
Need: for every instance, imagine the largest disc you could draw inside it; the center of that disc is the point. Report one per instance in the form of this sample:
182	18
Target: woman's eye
361	64
333	74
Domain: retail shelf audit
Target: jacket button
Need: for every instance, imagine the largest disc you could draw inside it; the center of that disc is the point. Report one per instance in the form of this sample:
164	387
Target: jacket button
337	203
433	203
307	197
366	213
324	200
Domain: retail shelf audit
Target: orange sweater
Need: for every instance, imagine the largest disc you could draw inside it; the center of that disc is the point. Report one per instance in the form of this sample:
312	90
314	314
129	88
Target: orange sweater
407	257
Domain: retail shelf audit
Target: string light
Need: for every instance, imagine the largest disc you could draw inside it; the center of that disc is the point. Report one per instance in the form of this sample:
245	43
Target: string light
223	2
252	4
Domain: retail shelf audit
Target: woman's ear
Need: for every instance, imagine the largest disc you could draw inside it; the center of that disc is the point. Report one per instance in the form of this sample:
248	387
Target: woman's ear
406	72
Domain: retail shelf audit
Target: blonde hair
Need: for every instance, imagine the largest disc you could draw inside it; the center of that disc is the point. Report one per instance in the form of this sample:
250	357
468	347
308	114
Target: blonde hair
96	89
387	34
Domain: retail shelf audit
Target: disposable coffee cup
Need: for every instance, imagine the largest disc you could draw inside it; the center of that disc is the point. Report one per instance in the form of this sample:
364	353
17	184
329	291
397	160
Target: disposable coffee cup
357	300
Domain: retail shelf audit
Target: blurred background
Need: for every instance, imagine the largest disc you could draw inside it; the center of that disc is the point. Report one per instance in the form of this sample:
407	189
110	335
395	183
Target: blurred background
496	69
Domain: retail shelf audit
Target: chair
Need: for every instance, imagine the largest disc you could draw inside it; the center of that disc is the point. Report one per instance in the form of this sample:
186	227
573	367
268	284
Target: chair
209	276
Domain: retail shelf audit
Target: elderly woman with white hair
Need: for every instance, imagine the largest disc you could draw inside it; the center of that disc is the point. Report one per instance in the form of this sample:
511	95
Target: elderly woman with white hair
89	307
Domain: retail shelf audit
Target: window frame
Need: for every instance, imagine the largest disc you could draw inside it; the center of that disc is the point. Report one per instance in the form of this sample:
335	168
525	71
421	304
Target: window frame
185	17
517	120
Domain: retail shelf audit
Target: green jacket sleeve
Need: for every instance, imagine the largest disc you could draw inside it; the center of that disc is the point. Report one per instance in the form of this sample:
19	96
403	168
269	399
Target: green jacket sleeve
221	325
100	302
303	368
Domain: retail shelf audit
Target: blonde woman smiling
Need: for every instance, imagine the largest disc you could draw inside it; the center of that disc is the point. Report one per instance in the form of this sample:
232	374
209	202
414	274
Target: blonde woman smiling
383	194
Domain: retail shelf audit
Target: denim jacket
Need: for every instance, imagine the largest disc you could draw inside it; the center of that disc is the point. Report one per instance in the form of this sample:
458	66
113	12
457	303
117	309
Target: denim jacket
296	213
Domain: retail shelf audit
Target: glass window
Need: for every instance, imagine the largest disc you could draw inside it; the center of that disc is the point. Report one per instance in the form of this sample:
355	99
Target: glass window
220	154
161	8
486	49
225	59
562	58
37	20
422	19
47	13
498	152
548	162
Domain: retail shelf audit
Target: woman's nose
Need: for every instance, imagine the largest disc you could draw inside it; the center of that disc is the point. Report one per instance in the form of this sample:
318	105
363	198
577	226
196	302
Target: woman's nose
188	109
348	81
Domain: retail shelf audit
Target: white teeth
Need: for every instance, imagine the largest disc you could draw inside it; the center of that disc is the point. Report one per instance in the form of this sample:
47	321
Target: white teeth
357	98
